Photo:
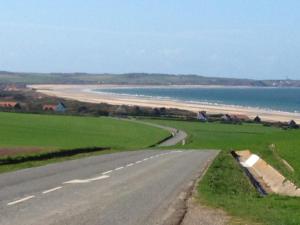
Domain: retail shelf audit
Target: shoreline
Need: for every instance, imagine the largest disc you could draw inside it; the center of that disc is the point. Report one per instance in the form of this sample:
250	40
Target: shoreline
85	93
160	98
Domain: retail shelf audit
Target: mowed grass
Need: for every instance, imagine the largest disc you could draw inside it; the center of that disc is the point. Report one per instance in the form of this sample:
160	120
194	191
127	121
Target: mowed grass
226	186
67	132
50	133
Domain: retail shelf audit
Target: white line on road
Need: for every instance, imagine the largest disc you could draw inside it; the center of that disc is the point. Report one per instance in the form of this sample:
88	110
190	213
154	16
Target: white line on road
107	172
98	178
20	200
51	190
119	168
130	164
77	181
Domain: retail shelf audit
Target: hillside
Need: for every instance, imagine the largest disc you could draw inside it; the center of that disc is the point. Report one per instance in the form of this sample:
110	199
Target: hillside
136	79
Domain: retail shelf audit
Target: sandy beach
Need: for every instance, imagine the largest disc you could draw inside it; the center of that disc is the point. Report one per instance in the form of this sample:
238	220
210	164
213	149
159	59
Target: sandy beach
85	93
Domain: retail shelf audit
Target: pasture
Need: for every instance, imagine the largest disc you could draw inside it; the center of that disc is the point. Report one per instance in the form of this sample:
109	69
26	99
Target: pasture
225	186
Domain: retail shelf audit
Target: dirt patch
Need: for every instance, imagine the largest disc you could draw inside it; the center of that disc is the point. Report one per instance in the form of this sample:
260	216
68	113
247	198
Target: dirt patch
10	151
198	214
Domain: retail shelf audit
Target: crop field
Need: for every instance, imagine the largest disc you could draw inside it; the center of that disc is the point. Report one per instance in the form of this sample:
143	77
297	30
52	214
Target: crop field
225	186
38	132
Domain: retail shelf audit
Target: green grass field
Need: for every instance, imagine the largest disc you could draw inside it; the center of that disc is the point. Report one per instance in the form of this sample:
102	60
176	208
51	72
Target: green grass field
66	132
50	133
225	186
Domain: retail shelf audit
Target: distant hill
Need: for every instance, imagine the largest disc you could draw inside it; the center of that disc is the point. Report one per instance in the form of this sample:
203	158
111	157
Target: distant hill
136	79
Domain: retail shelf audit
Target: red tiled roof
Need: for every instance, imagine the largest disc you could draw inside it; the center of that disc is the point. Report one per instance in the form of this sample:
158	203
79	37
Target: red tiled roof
8	104
49	107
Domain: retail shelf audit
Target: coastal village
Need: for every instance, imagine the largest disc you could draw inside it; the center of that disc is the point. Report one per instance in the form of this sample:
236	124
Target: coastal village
41	104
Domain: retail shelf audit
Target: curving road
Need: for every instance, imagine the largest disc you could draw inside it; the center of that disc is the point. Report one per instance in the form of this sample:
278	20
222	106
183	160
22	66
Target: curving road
177	135
126	188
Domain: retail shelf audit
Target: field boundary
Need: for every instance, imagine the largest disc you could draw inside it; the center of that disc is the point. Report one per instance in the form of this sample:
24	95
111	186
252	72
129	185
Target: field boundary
49	155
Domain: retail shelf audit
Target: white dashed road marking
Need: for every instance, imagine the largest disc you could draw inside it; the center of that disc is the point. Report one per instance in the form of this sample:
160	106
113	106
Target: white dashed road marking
107	172
130	164
20	200
98	178
82	181
119	168
51	190
77	181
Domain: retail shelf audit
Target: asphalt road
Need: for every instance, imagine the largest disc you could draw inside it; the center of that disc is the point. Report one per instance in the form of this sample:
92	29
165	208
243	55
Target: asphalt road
177	135
128	188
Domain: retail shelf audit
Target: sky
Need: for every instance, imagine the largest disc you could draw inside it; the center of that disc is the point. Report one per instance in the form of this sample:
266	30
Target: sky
257	39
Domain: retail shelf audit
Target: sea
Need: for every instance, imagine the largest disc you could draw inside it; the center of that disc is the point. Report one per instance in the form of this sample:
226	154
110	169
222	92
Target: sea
279	99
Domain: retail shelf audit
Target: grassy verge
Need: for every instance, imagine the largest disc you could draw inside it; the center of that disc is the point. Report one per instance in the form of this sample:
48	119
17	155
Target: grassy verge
225	186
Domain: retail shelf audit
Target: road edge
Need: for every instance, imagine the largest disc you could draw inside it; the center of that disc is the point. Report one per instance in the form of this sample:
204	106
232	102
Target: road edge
179	208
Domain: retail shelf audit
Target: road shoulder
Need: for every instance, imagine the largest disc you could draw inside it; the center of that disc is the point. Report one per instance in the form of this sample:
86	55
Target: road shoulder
188	210
200	214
